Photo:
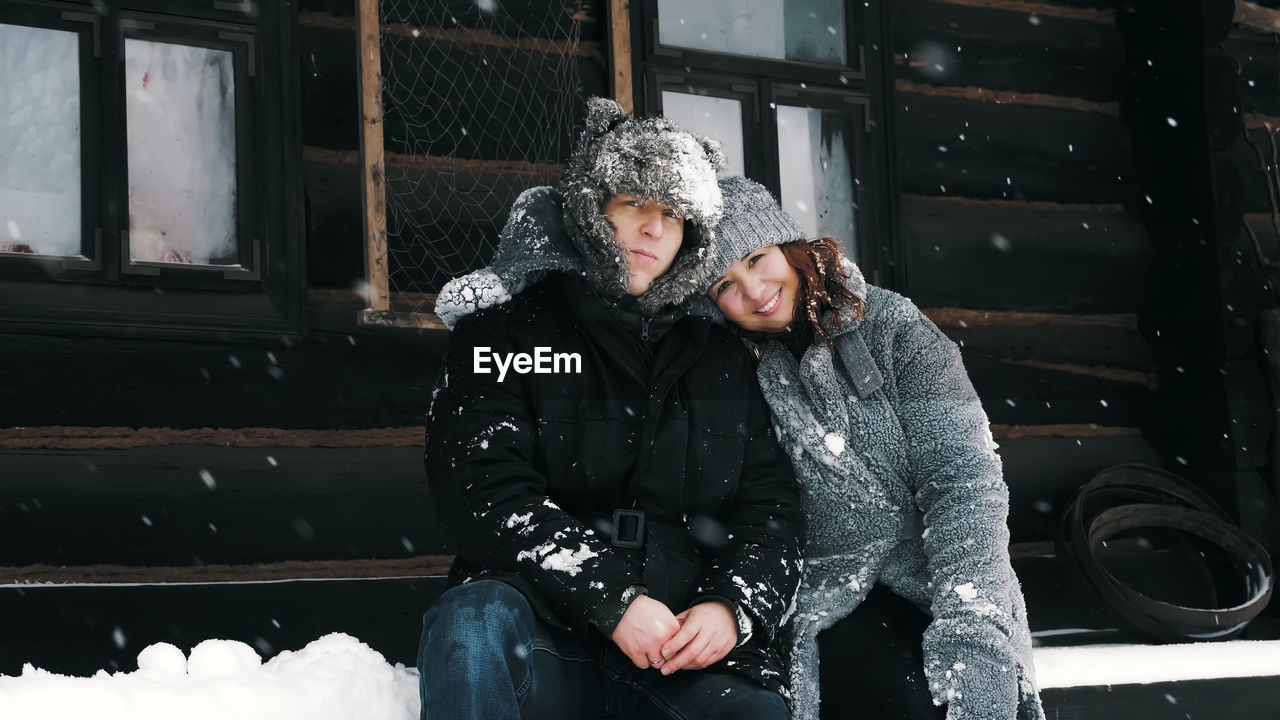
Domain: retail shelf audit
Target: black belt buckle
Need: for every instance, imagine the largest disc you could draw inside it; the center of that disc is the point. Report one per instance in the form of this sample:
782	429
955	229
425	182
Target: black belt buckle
628	529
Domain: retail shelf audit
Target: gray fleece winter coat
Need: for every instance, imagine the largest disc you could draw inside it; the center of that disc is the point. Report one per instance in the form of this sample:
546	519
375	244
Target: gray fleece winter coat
903	487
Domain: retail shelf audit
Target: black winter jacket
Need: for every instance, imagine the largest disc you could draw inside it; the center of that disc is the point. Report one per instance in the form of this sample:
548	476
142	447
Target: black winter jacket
526	472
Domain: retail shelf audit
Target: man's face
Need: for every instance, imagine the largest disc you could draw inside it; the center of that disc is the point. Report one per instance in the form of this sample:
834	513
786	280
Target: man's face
650	232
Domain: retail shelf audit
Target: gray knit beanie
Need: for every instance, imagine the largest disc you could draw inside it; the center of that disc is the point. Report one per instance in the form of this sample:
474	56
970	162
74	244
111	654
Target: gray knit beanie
653	159
752	220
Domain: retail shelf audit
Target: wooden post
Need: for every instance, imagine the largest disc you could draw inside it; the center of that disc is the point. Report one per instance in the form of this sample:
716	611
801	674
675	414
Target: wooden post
373	195
620	53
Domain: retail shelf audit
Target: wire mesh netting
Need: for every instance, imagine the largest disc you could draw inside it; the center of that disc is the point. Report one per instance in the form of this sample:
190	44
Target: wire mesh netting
479	104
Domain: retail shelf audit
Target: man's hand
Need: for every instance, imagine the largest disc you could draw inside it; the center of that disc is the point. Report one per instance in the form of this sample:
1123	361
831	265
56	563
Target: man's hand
644	627
708	632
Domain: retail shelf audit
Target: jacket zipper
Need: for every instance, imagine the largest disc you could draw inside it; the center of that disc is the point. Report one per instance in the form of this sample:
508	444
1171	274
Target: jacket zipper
644	328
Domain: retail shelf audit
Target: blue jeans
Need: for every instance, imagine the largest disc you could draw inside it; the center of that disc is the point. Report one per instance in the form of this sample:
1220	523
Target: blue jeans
485	655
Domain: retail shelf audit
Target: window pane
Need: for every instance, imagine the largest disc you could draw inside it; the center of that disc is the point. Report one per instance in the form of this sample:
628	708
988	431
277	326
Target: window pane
719	118
39	141
805	30
180	105
816	174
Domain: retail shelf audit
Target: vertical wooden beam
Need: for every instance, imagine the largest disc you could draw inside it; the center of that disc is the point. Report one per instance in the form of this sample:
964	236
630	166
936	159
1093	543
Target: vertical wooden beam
620	53
373	197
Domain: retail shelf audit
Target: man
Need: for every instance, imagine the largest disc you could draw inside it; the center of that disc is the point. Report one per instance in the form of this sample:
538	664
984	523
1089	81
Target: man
626	527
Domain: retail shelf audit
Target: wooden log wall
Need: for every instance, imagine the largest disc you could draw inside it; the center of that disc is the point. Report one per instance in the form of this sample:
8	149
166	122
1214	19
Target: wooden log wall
184	454
1019	232
1025	231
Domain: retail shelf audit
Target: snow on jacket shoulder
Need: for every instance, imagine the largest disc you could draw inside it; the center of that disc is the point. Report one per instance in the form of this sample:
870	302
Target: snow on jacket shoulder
532	244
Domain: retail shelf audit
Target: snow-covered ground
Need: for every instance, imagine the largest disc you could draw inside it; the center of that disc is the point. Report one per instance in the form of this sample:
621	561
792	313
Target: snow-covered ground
1125	664
338	677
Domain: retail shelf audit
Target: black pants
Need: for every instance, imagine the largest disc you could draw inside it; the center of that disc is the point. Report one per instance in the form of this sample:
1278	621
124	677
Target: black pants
871	666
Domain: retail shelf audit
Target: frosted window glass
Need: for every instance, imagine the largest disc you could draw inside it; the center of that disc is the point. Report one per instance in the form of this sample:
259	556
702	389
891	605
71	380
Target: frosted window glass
180	105
817	177
719	118
39	141
805	30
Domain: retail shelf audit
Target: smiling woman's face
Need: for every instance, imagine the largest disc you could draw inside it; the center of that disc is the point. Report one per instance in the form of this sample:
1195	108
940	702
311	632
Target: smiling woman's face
651	234
758	292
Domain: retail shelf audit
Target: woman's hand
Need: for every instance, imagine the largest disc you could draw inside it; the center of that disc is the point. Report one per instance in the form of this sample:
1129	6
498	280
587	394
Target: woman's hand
643	629
708	631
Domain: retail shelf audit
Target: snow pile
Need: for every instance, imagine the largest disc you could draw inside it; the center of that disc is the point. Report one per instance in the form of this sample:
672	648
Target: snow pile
1125	664
336	676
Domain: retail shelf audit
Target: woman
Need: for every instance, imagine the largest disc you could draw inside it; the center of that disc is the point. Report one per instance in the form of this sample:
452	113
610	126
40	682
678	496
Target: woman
905	504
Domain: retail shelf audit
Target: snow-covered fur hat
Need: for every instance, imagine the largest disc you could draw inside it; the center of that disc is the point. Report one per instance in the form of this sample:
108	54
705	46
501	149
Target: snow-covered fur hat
752	220
654	160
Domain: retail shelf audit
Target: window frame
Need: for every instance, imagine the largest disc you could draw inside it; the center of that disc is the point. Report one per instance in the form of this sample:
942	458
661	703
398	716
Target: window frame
106	291
862	161
199	33
866	82
797	70
744	89
88	27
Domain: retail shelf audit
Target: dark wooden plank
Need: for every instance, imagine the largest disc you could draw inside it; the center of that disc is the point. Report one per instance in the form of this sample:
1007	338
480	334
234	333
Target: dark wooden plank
152	506
357	380
1018	394
77	630
1007	256
967	147
1044	472
1103	346
87	507
1246	698
1003	48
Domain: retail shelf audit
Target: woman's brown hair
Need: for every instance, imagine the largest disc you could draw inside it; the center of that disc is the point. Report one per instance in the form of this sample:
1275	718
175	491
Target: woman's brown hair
822	287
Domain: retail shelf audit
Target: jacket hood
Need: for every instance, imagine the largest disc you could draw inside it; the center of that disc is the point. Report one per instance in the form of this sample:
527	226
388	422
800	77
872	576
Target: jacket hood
654	160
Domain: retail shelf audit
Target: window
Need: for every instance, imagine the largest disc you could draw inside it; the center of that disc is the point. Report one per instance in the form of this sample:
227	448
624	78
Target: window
148	166
792	93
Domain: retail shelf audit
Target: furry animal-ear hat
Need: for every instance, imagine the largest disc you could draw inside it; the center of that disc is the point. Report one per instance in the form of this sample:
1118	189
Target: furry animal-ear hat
654	160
